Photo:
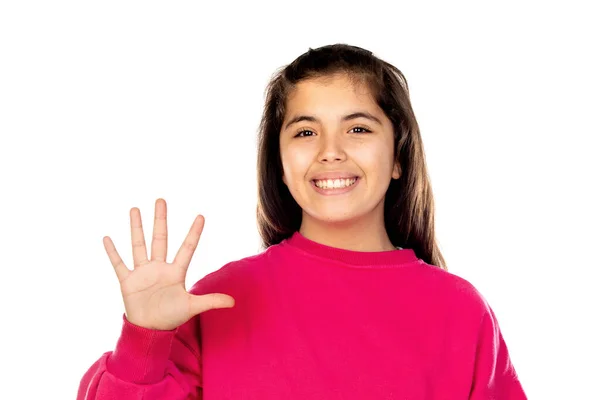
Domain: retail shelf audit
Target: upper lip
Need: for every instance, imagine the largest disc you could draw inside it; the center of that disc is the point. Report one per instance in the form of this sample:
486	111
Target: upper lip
334	175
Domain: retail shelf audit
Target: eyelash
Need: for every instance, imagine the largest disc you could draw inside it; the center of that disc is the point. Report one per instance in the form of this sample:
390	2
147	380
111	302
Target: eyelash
356	127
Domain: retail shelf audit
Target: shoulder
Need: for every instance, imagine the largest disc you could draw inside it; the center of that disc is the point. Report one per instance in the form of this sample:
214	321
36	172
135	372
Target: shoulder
233	276
453	293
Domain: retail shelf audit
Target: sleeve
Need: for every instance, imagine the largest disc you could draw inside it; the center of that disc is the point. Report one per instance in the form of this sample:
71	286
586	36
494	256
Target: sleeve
494	376
148	364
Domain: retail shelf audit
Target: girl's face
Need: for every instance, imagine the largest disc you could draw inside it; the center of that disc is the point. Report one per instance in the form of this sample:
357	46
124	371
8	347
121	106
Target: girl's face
337	150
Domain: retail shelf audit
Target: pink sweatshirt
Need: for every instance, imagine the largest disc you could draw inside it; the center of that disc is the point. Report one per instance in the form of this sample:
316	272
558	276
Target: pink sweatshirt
317	322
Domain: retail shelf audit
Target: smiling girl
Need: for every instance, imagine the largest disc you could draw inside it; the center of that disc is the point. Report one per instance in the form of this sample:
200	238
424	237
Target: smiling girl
350	299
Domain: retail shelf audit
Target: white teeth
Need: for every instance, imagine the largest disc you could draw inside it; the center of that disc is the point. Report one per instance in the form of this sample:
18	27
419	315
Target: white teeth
334	183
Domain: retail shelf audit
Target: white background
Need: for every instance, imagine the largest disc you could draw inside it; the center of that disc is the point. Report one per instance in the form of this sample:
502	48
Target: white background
109	105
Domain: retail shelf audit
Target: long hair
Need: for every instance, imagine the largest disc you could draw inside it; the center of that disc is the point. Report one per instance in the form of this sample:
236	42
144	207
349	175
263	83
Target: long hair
409	205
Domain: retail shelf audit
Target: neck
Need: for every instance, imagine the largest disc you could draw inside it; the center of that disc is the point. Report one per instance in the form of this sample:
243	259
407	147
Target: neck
363	234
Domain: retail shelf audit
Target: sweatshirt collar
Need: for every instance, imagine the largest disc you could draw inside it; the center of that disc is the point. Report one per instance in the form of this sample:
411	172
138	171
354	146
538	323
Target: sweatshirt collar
364	258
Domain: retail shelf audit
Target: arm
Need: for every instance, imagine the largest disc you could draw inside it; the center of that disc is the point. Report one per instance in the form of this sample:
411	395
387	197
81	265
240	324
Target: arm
148	364
494	376
158	353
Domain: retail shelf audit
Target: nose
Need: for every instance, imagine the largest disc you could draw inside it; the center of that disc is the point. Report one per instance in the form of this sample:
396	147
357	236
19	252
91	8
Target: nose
331	149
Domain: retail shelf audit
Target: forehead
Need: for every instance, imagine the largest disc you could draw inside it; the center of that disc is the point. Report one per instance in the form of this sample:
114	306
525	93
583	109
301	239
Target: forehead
331	92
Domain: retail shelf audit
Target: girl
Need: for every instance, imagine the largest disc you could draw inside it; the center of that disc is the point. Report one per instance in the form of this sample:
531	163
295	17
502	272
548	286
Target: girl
350	298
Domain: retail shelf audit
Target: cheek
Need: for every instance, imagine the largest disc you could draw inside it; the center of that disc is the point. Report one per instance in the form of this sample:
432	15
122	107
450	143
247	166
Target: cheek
285	169
369	156
296	164
290	169
375	159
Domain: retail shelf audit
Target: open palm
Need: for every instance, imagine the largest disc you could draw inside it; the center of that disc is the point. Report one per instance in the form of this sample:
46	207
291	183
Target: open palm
154	291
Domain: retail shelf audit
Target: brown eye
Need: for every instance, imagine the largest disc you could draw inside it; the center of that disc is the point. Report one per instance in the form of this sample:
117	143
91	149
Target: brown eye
303	133
364	130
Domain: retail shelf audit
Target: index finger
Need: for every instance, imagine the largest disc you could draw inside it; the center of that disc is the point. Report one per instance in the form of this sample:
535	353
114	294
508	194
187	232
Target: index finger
186	251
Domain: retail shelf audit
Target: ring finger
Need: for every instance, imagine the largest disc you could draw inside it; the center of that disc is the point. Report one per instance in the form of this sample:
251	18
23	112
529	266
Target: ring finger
138	243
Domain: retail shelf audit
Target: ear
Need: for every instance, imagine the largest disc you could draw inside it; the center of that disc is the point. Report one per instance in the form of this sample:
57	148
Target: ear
397	171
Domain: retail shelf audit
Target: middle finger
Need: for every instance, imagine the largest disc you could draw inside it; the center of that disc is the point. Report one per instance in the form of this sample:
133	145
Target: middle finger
159	235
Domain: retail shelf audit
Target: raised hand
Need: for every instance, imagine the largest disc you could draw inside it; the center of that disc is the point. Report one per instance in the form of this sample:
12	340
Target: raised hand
154	291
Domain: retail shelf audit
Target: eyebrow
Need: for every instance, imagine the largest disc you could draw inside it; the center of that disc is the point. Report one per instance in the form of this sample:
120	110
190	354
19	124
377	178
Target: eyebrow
310	118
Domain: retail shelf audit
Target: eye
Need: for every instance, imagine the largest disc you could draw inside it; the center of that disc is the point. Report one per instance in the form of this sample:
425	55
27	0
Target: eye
364	130
304	133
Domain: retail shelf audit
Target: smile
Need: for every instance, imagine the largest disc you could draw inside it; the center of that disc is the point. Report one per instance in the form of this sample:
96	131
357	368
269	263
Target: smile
334	183
334	186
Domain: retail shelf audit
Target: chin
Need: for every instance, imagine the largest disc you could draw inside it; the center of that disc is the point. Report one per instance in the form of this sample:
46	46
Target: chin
333	216
335	219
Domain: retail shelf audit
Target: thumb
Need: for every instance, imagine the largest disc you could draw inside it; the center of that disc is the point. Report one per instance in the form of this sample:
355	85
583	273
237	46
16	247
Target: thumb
205	302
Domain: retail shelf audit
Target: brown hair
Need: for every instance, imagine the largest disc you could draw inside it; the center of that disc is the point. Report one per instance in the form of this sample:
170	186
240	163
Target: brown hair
409	204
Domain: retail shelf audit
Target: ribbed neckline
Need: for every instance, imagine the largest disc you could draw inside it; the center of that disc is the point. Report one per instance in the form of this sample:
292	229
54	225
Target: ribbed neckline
387	258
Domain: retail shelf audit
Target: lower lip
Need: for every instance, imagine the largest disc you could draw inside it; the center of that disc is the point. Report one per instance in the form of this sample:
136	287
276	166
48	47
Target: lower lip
332	192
